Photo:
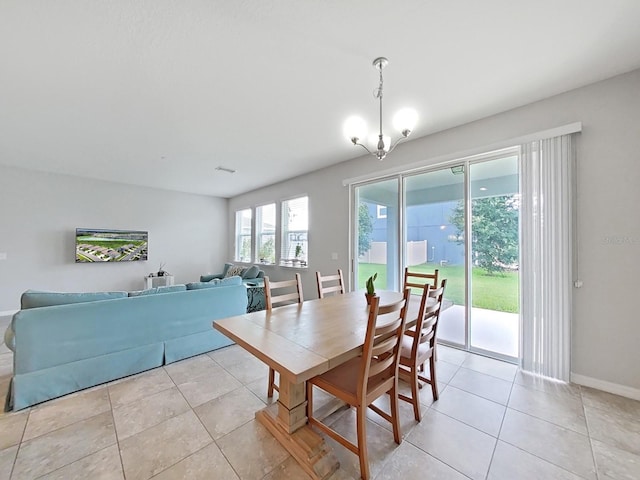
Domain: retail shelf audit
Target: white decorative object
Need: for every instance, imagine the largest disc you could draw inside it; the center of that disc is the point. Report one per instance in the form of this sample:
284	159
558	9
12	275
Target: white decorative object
164	281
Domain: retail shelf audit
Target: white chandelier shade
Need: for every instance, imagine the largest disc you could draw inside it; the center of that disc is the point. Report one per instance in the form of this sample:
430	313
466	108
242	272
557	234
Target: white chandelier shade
405	119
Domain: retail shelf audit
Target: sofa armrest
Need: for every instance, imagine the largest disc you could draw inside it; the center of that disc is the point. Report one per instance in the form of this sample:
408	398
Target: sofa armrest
10	339
208	278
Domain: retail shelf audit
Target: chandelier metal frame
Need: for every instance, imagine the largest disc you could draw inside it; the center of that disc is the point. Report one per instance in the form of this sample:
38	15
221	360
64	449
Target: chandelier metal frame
381	152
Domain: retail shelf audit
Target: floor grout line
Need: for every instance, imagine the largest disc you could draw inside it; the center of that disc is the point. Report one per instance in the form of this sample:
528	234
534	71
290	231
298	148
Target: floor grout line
442	386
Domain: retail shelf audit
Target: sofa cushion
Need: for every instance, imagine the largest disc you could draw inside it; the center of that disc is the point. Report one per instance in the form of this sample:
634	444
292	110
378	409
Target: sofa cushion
216	282
35	298
157	290
226	268
234	270
251	272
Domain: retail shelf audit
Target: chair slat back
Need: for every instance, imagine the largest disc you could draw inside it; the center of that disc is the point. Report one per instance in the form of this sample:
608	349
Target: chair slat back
276	300
418	279
381	351
427	323
333	288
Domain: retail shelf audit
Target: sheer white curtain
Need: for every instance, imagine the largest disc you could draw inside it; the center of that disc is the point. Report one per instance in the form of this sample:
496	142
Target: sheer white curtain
547	176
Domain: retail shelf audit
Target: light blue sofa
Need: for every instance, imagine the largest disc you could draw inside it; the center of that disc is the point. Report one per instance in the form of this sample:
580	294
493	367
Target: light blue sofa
63	348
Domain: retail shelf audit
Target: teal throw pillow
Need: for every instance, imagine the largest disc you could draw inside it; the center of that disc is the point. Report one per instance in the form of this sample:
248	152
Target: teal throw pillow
226	268
235	280
251	272
234	271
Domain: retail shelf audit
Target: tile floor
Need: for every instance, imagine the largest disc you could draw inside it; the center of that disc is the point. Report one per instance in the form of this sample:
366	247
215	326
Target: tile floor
195	420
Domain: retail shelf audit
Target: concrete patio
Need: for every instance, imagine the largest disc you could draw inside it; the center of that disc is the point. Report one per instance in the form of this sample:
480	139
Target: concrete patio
490	330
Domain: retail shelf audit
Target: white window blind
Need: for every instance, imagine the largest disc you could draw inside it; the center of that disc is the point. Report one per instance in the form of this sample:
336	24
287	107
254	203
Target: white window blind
295	227
266	234
547	179
243	236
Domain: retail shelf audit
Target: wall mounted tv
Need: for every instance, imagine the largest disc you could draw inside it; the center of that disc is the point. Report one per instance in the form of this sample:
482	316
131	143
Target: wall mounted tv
94	245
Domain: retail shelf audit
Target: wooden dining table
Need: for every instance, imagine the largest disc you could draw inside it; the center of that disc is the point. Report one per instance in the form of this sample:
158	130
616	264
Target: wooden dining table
301	341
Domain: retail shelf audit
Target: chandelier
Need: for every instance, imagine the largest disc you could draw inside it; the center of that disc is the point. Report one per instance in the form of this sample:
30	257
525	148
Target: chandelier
404	121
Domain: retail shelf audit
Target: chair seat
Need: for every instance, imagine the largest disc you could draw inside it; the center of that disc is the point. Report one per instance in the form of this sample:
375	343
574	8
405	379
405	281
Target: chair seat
424	351
345	380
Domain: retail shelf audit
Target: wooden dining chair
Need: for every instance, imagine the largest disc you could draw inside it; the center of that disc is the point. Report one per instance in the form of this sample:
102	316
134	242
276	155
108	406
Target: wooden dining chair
277	300
361	380
418	347
418	279
335	284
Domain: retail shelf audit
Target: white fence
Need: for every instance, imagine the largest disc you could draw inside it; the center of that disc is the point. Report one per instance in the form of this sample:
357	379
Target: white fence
416	253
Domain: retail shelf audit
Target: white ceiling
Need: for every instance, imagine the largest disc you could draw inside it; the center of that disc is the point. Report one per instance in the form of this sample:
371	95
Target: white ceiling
160	92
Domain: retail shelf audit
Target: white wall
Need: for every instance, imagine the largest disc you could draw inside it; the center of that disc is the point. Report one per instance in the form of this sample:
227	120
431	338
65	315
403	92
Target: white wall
606	327
39	213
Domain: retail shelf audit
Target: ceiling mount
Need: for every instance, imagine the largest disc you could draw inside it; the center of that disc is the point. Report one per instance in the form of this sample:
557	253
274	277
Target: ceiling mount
380	63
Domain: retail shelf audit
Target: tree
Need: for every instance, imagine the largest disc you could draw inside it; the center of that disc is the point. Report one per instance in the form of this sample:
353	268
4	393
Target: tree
365	228
267	252
494	226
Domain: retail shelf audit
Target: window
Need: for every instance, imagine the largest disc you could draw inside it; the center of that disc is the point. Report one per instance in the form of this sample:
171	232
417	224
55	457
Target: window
266	234
295	226
243	236
381	211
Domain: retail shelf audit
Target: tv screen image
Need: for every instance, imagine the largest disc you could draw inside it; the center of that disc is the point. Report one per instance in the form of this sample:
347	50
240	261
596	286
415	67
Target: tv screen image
99	245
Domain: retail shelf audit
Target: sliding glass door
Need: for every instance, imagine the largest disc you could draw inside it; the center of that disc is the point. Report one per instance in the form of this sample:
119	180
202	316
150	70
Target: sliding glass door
377	234
462	220
494	250
434	232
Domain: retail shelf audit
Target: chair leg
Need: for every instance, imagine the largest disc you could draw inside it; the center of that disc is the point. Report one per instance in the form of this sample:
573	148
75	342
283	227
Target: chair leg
361	412
395	414
434	383
415	396
272	377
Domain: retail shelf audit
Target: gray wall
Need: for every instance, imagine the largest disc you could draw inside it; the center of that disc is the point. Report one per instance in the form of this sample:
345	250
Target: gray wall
39	213
606	329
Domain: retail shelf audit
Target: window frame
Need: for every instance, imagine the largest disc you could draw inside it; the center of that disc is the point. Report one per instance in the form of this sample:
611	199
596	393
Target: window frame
289	259
259	233
240	236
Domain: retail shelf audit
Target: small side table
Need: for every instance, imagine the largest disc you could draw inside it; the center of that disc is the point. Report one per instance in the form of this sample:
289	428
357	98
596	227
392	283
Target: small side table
164	281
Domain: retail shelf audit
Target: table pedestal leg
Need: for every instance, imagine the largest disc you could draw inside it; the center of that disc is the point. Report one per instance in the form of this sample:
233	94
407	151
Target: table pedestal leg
289	425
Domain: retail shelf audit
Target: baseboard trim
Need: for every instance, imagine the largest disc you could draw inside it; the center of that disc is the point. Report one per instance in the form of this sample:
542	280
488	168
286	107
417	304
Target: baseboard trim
8	313
615	388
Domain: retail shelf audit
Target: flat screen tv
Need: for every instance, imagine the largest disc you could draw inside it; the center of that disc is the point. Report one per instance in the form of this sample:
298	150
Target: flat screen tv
96	245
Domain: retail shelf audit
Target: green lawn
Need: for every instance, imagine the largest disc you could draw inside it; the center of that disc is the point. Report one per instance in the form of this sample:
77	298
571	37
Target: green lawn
493	292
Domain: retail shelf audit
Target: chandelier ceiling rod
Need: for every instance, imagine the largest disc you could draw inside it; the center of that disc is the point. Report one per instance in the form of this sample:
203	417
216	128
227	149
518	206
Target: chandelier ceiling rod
380	63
